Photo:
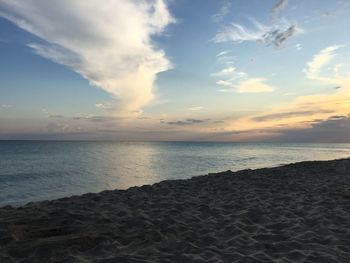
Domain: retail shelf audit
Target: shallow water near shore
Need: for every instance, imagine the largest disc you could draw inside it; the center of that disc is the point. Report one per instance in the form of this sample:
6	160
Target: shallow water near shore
39	170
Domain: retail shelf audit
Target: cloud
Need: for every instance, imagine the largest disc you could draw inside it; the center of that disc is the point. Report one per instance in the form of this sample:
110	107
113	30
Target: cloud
240	82
319	60
329	130
300	113
56	116
224	57
223	53
323	130
224	83
224	72
109	44
104	106
96	118
283	115
276	34
222	12
196	108
298	47
230	72
304	111
254	85
279	6
186	122
277	37
6	106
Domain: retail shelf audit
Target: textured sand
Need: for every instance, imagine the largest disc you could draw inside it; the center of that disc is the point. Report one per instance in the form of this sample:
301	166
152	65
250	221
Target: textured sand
294	213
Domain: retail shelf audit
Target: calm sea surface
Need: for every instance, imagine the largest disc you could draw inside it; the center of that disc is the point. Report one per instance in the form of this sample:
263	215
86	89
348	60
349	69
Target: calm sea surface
32	170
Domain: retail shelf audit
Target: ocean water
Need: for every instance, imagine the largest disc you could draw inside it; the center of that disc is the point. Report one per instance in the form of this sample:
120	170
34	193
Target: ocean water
39	170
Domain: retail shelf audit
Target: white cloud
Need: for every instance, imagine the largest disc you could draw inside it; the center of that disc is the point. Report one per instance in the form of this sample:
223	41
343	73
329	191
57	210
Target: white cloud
196	108
276	34
231	73
224	72
318	61
109	43
298	47
222	53
240	82
225	90
225	59
104	106
224	83
254	85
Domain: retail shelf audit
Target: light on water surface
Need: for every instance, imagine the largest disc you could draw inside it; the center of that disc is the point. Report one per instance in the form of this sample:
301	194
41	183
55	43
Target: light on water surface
31	171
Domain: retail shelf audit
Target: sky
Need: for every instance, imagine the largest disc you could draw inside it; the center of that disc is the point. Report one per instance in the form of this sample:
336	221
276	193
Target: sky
169	70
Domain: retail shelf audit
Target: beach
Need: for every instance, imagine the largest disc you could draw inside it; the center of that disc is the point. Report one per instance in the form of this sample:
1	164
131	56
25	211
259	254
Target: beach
293	213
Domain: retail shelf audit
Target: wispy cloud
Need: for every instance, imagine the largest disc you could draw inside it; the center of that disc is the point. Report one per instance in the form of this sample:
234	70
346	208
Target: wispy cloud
6	106
333	129
109	44
254	85
196	108
55	116
299	113
223	11
104	106
225	72
224	83
223	53
287	114
96	118
240	82
304	111
187	122
319	60
279	6
276	34
225	57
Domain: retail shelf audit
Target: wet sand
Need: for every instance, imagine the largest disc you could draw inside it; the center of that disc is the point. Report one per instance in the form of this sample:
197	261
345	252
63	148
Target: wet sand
294	213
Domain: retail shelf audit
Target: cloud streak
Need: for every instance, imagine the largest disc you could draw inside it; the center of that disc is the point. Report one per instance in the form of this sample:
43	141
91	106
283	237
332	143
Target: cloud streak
240	82
284	115
222	12
109	44
187	122
319	60
254	85
196	108
6	106
279	6
276	34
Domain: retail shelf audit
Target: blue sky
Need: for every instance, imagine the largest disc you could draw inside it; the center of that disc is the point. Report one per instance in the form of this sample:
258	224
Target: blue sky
227	70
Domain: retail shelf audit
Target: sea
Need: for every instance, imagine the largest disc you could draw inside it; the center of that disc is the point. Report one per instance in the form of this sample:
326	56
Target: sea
42	170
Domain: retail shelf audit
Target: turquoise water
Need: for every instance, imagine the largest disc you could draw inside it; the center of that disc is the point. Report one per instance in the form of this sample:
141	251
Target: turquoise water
38	170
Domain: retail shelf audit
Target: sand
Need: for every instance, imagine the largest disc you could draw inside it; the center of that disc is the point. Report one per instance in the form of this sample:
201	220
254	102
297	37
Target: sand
294	213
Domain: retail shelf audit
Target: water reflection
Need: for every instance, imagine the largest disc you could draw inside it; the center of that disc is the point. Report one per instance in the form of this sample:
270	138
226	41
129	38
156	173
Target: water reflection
44	170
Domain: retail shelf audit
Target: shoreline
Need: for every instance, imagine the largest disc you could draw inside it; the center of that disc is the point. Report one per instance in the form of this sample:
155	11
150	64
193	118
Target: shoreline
297	212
